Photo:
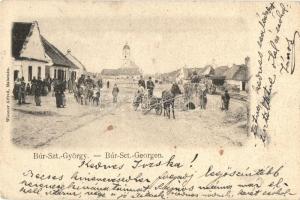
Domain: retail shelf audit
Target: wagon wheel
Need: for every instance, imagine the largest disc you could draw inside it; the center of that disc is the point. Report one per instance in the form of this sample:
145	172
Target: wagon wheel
158	109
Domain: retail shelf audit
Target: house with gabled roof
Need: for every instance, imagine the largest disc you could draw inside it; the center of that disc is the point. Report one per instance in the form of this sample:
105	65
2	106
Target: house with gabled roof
34	56
218	77
81	67
60	66
28	54
238	75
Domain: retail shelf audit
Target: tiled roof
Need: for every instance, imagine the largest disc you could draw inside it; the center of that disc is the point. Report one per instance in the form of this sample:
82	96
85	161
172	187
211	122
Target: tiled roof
220	71
57	57
20	31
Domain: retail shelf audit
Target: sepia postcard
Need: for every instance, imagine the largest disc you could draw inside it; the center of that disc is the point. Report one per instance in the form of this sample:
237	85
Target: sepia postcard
149	99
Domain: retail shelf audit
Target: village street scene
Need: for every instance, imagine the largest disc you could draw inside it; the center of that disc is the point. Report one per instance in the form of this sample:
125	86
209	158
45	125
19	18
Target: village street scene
60	101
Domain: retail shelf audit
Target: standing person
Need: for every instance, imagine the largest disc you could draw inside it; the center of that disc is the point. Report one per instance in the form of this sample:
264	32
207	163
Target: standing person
225	100
89	81
70	85
150	87
62	92
33	85
115	93
38	92
81	80
45	87
28	89
16	89
57	92
107	84
142	82
99	83
22	91
203	98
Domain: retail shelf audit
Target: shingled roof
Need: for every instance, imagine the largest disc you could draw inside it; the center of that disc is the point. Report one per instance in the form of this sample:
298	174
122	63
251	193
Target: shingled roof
20	31
57	57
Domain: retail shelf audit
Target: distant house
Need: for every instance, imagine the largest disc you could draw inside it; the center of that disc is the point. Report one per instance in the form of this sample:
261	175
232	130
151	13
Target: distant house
81	68
61	67
238	75
185	74
124	73
28	54
207	71
218	78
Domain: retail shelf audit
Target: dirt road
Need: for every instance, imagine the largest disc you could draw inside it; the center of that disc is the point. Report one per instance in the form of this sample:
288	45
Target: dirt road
197	128
116	125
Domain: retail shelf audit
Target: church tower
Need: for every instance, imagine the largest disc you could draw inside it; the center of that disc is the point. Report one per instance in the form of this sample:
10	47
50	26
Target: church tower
126	56
126	51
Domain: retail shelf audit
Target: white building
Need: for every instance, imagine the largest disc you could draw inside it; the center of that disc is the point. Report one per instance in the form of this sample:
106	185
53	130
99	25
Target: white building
33	56
81	68
60	66
28	54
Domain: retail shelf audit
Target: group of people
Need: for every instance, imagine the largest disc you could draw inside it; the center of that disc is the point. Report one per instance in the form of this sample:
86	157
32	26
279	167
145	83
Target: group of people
149	86
36	88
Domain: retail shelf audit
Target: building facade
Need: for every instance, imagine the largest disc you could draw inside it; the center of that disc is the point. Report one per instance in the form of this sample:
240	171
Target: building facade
29	59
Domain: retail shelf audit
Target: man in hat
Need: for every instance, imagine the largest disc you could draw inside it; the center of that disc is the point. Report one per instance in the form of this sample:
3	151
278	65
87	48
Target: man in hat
225	100
142	82
150	87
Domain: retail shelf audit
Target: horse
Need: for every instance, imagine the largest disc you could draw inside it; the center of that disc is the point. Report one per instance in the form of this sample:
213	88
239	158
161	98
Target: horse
168	99
80	94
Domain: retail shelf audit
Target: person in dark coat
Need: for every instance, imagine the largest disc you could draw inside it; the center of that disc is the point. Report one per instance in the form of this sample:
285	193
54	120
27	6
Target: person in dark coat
38	91
59	93
150	87
33	85
81	80
225	100
142	82
107	84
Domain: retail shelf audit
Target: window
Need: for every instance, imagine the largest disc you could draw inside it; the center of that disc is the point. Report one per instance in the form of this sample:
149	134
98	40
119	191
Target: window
39	71
55	73
47	72
29	73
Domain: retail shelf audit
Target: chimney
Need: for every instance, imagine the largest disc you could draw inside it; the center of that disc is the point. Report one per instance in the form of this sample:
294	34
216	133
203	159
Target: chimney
247	59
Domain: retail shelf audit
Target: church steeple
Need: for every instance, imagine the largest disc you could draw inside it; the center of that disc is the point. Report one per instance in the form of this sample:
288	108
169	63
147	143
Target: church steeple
126	51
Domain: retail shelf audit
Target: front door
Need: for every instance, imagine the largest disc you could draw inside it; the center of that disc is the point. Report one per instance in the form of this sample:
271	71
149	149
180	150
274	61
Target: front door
243	85
47	72
60	74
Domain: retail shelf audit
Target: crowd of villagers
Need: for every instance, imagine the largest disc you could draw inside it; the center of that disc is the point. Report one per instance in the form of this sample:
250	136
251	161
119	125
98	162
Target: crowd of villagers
38	88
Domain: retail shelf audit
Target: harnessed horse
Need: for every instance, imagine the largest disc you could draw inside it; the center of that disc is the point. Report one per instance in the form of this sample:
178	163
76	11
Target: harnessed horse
168	99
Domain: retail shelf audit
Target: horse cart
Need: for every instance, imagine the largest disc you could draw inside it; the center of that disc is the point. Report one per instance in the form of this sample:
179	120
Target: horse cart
148	103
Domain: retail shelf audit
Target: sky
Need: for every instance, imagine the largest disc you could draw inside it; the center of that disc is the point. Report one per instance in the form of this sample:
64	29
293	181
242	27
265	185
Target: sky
162	37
